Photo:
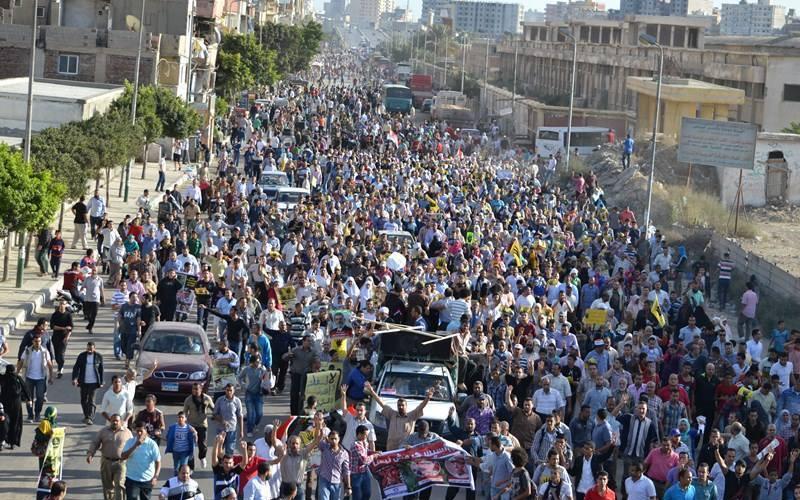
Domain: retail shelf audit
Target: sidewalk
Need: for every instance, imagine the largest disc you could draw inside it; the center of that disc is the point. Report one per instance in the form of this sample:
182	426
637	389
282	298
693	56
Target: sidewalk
19	304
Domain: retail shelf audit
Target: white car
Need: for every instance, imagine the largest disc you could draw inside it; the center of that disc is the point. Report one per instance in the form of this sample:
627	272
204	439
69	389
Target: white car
269	182
403	239
287	197
410	380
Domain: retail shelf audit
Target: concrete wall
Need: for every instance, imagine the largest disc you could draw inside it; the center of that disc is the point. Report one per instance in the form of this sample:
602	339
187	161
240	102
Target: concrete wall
46	112
754	182
777	112
164	16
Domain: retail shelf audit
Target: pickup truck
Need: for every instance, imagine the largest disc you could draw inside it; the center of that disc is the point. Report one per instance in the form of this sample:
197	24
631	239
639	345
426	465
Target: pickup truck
407	369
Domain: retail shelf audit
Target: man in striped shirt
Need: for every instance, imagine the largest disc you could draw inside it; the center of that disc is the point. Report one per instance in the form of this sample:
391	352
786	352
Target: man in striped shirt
334	469
725	267
117	300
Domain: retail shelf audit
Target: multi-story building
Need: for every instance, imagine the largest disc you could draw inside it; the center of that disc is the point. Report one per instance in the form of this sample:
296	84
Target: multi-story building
368	12
336	9
561	11
432	11
534	16
491	18
609	51
751	19
97	41
666	7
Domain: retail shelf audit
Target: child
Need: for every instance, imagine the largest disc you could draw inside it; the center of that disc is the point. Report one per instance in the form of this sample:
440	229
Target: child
520	486
181	438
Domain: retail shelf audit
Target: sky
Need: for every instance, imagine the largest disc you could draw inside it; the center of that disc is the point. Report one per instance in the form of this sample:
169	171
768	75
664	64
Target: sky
416	5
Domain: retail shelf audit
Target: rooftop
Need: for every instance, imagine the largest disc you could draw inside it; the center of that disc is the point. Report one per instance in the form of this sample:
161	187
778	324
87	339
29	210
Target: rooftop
686	90
61	90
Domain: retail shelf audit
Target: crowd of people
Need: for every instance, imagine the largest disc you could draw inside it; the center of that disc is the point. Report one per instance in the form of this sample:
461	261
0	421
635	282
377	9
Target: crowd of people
582	340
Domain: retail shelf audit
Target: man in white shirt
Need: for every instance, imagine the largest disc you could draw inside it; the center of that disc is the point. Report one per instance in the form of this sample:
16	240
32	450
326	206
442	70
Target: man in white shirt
36	364
353	422
93	297
116	402
638	486
546	400
662	295
97	210
755	348
186	257
193	192
783	369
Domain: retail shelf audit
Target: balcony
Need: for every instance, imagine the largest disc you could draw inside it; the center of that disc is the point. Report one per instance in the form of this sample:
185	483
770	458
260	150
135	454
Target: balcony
210	9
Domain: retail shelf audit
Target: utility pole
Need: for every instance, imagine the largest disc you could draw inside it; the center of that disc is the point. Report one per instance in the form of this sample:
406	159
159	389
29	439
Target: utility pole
514	88
27	151
444	77
486	80
133	99
463	59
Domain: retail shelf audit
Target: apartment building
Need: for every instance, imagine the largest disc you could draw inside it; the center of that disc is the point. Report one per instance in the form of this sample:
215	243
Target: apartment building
368	13
561	11
666	7
751	19
609	51
490	18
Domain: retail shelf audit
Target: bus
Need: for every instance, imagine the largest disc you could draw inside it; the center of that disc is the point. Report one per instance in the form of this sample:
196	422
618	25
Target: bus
397	98
551	140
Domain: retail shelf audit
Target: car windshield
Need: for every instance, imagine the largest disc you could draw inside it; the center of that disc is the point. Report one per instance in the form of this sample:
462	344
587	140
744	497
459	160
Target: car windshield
174	343
289	197
273	180
414	385
400	240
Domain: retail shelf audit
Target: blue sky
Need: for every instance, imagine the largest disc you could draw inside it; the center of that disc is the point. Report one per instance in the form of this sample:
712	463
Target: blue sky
416	5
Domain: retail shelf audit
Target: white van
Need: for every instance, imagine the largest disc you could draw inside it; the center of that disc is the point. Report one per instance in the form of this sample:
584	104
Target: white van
287	197
551	140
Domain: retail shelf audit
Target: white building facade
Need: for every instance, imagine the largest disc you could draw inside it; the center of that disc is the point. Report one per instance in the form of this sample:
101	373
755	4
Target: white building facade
490	18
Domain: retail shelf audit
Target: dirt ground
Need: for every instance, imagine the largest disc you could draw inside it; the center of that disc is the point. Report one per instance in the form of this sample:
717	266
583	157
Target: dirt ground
779	236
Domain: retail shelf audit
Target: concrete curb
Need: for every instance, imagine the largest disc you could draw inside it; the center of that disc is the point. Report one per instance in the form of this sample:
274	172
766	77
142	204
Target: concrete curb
43	296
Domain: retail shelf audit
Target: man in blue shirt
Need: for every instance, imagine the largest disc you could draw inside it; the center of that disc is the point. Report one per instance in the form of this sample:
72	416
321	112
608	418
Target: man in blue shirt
143	462
356	379
627	151
501	469
683	489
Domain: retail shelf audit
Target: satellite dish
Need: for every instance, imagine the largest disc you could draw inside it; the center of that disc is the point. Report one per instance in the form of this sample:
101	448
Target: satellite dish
132	22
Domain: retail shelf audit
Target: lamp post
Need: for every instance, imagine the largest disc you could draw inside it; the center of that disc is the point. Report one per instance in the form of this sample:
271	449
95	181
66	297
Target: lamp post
463	58
444	76
566	33
135	96
514	87
486	79
28	131
651	40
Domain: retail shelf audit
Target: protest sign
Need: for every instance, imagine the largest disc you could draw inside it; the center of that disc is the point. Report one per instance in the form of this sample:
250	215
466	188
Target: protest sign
325	387
411	470
288	295
52	464
596	317
185	299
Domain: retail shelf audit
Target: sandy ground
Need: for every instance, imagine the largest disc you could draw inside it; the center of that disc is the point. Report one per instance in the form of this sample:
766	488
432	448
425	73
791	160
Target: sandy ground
779	236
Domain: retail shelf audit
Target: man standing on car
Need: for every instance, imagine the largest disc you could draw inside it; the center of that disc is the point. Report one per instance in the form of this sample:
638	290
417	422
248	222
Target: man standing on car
400	422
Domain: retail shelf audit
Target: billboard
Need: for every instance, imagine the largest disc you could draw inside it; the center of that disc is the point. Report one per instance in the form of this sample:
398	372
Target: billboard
717	143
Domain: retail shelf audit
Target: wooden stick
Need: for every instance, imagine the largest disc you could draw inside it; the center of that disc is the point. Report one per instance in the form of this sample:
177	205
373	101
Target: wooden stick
439	339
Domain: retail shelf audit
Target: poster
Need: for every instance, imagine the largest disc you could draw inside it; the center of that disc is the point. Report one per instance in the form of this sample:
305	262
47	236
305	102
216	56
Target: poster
325	387
222	375
288	295
185	301
411	470
53	463
596	317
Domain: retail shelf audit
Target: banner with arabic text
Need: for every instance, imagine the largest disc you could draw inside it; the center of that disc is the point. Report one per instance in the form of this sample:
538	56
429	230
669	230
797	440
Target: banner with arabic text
411	470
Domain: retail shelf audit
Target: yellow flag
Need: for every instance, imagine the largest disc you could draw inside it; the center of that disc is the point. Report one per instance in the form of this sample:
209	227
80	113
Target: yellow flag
656	310
516	251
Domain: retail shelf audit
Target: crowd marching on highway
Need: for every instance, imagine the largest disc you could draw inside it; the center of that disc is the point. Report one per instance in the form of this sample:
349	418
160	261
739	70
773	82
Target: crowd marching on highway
585	361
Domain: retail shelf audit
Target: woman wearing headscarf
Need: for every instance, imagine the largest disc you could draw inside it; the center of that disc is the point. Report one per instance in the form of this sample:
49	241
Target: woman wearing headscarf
44	431
13	394
367	292
783	425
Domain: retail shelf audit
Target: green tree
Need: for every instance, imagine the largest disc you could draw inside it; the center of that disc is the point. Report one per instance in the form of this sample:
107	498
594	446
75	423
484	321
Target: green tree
294	46
28	198
113	142
793	128
233	75
66	152
259	61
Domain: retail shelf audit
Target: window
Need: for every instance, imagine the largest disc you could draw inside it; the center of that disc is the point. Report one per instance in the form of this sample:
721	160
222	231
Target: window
791	93
17	3
68	65
40	12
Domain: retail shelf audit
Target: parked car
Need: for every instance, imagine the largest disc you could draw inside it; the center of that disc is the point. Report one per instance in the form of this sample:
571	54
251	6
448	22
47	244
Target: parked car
182	352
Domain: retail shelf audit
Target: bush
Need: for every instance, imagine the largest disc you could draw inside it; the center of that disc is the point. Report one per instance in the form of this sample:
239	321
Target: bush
691	208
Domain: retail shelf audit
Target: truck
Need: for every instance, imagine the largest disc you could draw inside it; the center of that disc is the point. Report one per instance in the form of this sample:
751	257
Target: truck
402	72
451	97
455	116
421	87
407	368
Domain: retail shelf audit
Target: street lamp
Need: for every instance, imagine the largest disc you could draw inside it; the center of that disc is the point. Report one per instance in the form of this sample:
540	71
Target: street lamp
514	87
27	146
566	33
651	40
463	58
